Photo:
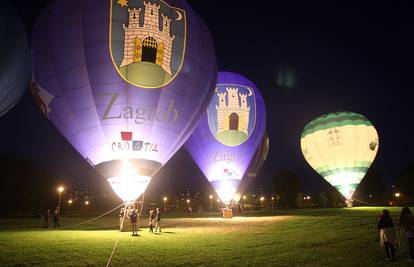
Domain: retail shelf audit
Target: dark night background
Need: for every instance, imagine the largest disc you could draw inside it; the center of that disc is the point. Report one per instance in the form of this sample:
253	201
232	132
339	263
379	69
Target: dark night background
353	56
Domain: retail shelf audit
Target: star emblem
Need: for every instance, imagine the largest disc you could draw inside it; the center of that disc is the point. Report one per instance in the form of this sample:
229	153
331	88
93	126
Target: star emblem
123	3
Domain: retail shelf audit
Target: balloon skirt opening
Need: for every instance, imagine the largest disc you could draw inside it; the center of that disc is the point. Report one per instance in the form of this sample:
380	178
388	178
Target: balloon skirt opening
129	188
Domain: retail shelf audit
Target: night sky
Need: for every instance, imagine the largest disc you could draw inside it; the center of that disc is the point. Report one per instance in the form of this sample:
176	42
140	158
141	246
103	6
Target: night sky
344	55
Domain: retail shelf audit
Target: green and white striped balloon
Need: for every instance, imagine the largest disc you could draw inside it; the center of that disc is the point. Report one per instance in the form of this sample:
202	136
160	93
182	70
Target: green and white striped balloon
341	147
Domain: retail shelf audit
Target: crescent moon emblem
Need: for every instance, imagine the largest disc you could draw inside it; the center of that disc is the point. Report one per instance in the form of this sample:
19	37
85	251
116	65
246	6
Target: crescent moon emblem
250	91
180	16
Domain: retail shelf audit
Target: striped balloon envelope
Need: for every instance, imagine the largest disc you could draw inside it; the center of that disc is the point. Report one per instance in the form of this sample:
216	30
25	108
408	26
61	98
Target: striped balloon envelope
341	147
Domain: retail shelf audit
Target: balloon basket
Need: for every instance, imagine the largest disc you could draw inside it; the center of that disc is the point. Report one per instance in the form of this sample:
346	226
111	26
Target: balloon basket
348	203
227	213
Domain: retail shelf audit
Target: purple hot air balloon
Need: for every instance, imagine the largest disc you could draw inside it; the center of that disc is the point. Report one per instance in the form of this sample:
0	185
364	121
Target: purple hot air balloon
124	81
228	135
15	69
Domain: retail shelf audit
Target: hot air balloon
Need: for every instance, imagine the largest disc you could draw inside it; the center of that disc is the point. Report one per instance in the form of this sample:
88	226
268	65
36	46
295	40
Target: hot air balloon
255	166
341	147
124	81
15	68
228	135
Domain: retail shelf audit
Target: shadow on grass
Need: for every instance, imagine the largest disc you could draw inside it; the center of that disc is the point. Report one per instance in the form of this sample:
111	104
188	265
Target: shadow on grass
162	233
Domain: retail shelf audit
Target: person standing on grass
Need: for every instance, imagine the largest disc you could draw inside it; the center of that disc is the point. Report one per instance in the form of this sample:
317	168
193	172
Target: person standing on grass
121	218
151	221
133	216
46	218
56	217
387	234
406	220
157	220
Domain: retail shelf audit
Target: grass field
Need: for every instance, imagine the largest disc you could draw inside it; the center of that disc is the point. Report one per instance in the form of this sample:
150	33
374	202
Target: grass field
326	237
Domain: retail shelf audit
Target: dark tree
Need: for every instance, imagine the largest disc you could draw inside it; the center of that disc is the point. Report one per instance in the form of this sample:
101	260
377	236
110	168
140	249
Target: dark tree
335	199
26	188
286	185
323	199
299	200
372	188
405	183
330	196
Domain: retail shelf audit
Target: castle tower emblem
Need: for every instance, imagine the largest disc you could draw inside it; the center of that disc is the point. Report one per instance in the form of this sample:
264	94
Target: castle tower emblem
232	114
147	41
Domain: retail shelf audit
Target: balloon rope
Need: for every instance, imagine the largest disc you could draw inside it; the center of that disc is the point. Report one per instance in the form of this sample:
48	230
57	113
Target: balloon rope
123	217
140	211
363	202
94	219
113	251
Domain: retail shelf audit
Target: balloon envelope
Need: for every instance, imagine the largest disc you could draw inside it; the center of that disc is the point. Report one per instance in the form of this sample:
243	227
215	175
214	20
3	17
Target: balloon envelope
124	81
341	147
259	157
15	68
255	166
228	135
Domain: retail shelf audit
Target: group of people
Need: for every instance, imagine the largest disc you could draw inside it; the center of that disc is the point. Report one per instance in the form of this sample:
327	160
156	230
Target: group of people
55	215
387	233
131	214
154	219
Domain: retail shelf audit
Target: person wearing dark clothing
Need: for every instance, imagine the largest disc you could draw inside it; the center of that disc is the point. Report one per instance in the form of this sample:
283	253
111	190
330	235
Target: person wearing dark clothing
133	216
46	219
387	235
157	220
151	221
56	218
406	220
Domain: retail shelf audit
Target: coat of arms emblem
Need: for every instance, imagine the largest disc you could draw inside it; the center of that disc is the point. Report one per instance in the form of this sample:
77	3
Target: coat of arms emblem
232	114
147	41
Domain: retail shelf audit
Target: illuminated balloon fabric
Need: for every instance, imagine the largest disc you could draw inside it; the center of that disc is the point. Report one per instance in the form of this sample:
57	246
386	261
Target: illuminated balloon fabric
341	147
123	80
228	135
255	166
15	69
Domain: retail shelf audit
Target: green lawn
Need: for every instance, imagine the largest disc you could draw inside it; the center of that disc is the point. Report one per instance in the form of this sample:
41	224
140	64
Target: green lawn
329	237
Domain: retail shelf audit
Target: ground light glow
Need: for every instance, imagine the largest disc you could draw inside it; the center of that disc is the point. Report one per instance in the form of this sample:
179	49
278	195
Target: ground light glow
129	185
